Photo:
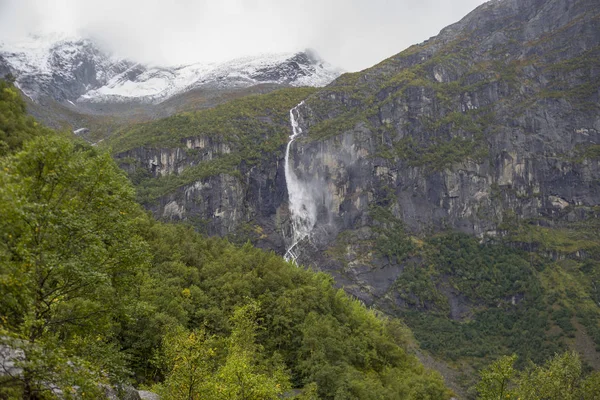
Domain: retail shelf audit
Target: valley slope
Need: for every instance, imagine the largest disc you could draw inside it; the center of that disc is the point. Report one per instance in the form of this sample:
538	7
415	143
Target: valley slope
457	184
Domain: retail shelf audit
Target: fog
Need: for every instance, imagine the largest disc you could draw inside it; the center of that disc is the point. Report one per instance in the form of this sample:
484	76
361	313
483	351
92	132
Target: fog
351	34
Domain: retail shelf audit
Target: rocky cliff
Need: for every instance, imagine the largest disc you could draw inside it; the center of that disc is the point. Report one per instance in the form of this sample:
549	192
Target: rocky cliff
496	118
219	169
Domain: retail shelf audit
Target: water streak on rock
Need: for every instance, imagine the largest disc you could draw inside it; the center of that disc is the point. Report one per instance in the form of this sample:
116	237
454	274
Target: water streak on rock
303	208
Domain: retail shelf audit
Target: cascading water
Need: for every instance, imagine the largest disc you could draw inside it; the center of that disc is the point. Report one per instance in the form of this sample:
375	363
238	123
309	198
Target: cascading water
303	209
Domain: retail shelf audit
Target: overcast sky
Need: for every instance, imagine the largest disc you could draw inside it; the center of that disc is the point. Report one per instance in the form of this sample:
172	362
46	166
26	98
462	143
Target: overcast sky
351	34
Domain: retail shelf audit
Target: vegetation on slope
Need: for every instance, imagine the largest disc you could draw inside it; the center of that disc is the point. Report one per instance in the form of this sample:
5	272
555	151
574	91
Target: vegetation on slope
245	122
469	302
561	377
15	125
502	308
96	292
531	290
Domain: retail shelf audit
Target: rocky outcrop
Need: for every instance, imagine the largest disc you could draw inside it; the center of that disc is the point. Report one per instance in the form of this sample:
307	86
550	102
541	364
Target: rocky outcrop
245	201
145	395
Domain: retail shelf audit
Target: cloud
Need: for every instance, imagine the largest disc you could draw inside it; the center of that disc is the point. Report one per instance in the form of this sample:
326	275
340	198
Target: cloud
352	34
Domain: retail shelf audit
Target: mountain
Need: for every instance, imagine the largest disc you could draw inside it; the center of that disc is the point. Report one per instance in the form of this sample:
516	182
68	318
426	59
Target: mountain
455	184
76	71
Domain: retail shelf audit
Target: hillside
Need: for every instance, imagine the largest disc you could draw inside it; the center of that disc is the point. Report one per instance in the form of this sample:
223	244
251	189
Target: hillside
97	296
455	184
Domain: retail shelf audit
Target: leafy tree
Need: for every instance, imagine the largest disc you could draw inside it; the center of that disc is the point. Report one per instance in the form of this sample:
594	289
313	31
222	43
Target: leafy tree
15	125
495	379
309	392
190	358
68	252
245	374
559	378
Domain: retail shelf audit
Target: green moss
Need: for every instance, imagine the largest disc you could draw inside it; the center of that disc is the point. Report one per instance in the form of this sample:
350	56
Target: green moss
407	77
583	62
580	94
336	126
574	79
591	152
348	79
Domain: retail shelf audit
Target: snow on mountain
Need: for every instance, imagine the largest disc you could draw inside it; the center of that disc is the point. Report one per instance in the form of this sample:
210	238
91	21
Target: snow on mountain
71	69
59	66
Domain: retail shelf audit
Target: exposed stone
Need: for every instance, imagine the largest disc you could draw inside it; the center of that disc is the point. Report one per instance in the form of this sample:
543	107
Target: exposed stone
558	202
145	395
121	393
9	358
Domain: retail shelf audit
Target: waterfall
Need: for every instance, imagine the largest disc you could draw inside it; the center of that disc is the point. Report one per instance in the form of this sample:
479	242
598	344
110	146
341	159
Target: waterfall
303	209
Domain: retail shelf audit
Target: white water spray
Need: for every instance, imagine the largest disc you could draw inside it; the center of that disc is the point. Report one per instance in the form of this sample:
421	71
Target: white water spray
303	210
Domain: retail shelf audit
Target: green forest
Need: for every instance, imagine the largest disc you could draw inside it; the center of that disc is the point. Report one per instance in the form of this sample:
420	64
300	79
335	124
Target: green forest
96	294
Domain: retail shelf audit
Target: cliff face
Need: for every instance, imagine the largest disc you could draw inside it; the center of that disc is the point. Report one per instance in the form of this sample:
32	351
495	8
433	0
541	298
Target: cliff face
497	119
220	169
238	200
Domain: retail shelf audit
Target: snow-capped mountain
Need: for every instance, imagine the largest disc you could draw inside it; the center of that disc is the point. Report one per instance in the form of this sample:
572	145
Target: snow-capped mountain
75	70
57	66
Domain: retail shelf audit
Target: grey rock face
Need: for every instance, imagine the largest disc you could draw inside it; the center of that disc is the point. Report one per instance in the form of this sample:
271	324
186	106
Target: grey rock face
9	358
121	393
145	395
486	122
224	204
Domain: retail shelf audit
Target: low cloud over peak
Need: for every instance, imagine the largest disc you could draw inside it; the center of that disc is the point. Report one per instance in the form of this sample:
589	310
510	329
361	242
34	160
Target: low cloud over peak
353	34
